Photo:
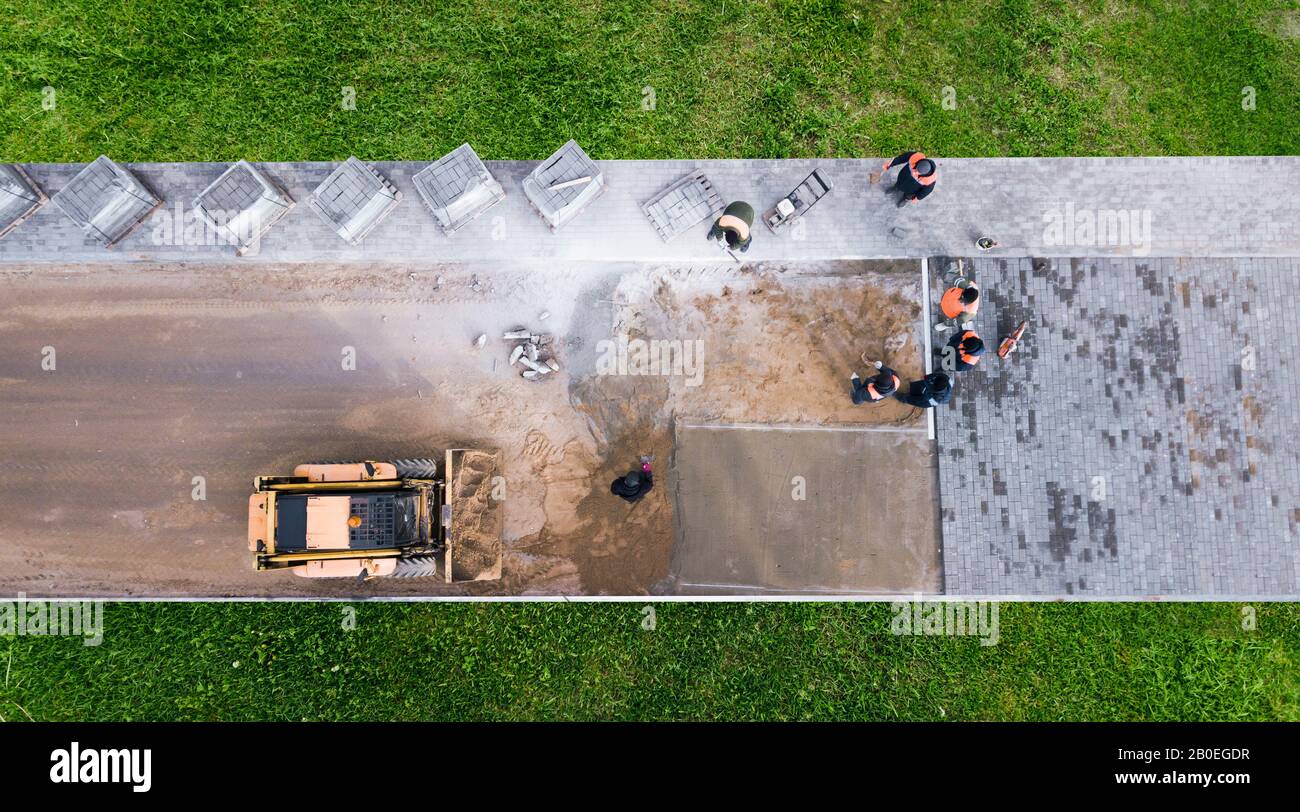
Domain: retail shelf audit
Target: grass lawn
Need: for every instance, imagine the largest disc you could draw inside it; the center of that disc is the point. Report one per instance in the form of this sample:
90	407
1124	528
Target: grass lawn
267	79
700	661
177	80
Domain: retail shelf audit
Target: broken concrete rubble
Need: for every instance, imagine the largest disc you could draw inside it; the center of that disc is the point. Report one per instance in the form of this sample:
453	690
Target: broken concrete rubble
527	353
533	365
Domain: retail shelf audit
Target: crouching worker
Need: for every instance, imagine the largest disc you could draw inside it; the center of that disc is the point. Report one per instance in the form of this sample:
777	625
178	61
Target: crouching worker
635	484
964	350
876	388
959	305
928	392
731	230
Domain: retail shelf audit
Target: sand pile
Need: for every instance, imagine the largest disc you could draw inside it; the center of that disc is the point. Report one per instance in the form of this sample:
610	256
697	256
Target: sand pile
475	532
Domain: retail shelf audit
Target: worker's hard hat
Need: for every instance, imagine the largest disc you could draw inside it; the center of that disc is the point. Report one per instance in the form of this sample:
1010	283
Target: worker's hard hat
925	167
632	480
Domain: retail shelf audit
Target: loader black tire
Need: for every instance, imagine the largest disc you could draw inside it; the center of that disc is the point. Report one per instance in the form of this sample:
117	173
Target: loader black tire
424	566
416	469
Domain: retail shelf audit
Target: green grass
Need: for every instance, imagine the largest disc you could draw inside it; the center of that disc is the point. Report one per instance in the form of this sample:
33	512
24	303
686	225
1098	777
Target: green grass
734	661
263	79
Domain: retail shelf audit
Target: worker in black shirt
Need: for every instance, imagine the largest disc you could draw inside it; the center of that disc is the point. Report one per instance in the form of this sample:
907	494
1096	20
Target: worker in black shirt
928	392
635	484
916	179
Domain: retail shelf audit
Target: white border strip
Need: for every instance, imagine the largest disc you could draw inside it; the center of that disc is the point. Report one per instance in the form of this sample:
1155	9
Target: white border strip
928	597
801	427
925	331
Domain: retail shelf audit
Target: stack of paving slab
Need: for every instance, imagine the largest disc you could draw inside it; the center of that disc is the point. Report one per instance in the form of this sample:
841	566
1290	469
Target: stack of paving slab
242	205
20	197
107	201
354	199
563	185
686	202
457	188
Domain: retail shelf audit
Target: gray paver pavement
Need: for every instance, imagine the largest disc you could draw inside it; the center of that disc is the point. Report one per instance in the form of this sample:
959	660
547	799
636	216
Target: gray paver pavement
1197	207
1140	441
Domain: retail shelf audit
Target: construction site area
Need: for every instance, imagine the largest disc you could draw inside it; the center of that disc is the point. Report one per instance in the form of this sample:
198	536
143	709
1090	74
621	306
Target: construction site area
168	374
594	378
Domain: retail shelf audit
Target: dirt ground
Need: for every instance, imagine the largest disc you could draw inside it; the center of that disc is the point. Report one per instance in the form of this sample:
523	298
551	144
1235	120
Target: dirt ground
165	375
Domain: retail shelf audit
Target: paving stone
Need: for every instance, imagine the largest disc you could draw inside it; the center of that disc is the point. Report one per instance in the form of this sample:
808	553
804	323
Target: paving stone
1160	460
20	197
563	185
687	202
354	199
242	204
458	188
1007	199
105	201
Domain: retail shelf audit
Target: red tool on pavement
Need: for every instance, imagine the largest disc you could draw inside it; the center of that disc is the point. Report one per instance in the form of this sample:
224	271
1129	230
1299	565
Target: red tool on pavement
1009	343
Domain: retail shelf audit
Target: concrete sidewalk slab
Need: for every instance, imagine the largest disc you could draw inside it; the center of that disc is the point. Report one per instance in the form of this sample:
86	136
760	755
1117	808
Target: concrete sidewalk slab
789	510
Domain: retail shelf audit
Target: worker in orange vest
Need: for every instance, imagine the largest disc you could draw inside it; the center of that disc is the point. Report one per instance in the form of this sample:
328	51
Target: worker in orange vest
877	387
966	349
959	304
915	180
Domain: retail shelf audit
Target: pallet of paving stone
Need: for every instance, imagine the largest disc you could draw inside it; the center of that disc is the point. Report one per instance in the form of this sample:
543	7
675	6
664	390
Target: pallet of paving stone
242	205
687	202
457	188
20	197
106	200
564	185
354	199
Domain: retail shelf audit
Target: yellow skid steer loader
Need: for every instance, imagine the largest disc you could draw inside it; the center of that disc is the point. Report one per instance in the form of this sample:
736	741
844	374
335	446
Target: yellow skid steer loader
370	519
